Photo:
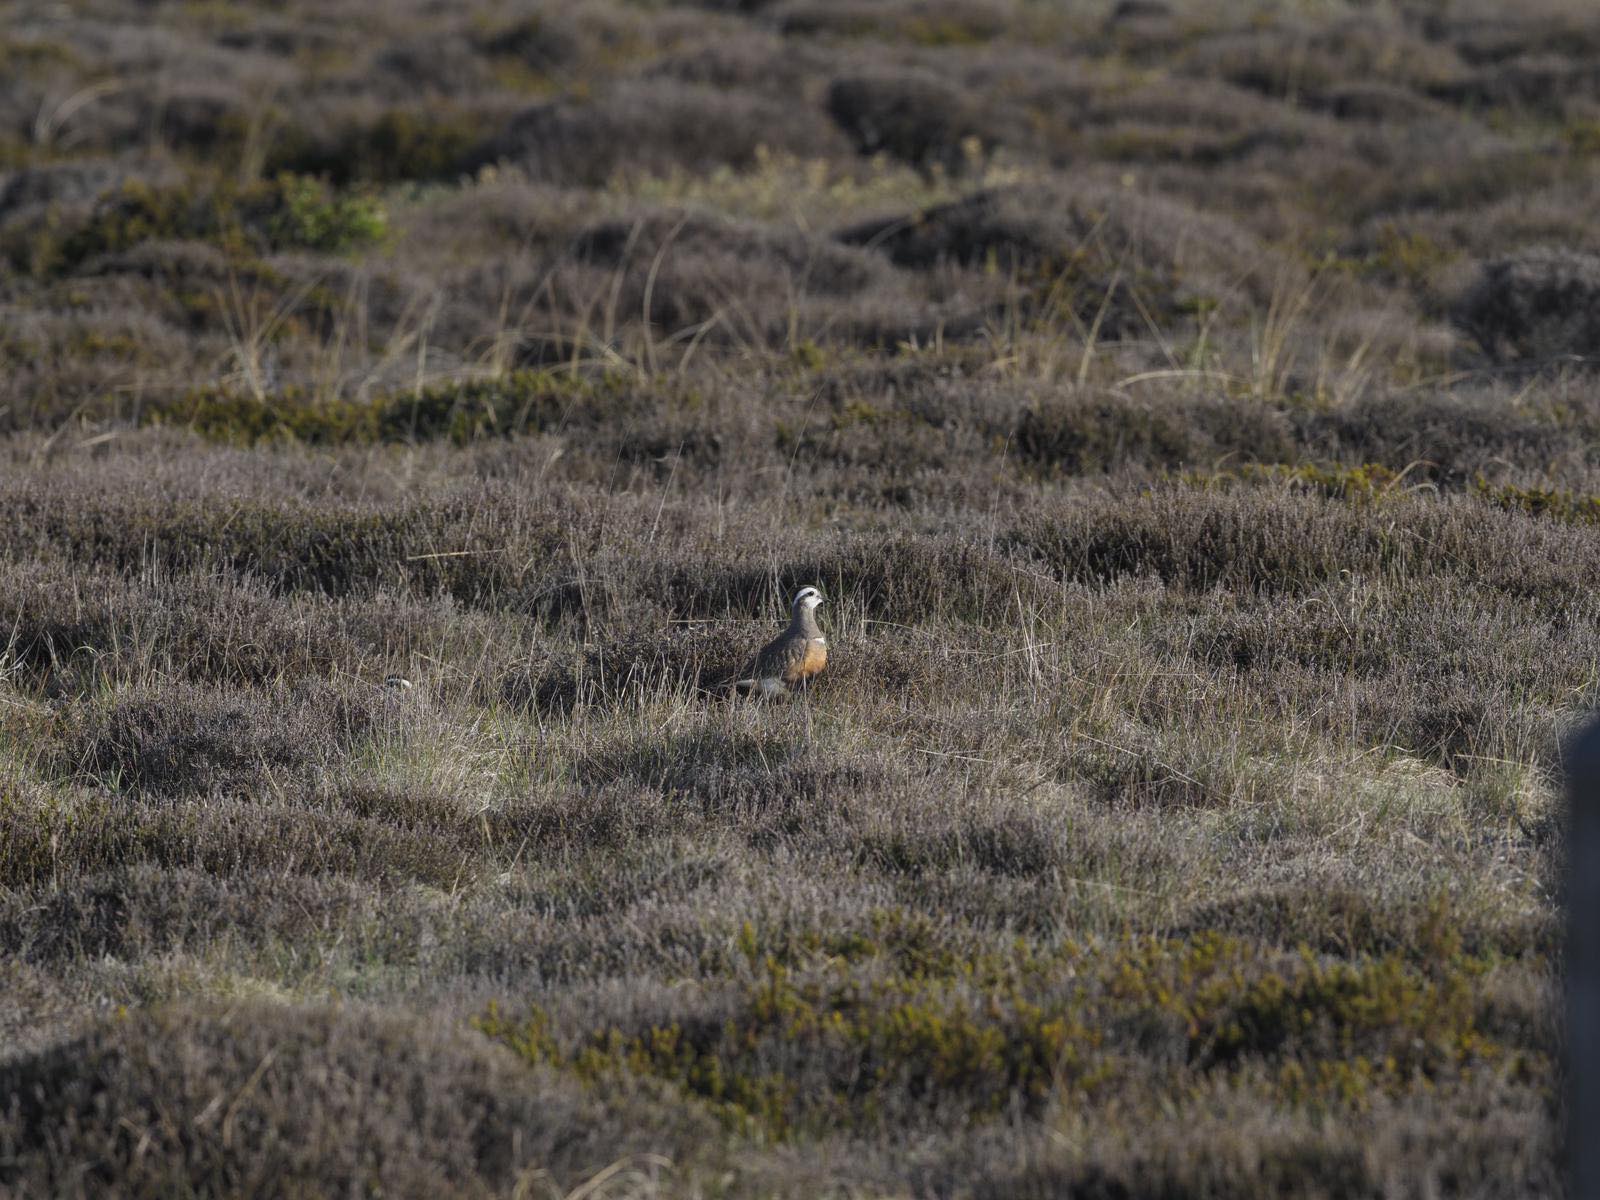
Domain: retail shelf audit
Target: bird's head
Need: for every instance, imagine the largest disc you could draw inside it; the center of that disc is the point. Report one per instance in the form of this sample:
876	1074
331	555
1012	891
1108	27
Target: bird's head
806	600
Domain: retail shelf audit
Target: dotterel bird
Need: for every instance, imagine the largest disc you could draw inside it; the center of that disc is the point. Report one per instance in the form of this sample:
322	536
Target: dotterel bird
794	656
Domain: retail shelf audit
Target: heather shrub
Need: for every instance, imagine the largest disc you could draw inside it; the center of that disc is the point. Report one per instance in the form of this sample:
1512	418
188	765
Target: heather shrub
284	213
758	61
208	119
525	401
544	42
183	740
326	1100
1535	307
1447	168
793	1051
673	658
693	268
1200	120
654	127
224	837
1292	60
1549	85
436	67
437	141
915	117
325	549
1087	435
1103	257
64	184
1273	542
1126	12
1547	30
920	23
1377	101
75	629
1448	439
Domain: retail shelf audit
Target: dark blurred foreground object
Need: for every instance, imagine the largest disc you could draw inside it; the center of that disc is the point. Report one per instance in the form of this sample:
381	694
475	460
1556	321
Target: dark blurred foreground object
1583	961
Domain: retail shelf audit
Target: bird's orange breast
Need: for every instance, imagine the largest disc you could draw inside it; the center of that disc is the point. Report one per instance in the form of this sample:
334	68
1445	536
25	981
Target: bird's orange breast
816	657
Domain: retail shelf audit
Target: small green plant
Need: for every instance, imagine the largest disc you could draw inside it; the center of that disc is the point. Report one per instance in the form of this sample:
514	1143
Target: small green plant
1408	256
1582	136
311	216
461	412
287	212
1558	505
807	356
1366	482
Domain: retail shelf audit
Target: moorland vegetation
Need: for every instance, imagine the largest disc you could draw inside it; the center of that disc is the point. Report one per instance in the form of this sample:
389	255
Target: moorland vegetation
1188	409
